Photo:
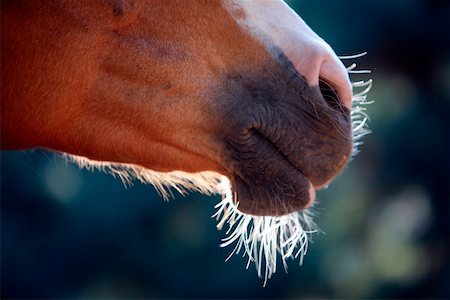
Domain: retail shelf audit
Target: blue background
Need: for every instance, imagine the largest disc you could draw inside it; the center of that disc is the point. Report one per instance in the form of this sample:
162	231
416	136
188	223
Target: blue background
70	233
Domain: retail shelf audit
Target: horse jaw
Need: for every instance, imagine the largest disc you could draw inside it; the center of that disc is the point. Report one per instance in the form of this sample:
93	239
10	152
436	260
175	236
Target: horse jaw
261	238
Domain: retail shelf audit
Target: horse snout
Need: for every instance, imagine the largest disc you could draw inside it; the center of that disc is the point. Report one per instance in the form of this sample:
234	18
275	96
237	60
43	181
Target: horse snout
284	138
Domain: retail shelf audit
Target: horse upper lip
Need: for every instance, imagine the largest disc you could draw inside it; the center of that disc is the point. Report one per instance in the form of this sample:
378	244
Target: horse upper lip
292	162
282	154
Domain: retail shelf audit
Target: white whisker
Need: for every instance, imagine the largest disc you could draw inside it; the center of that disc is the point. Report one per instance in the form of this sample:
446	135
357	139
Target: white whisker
352	56
359	99
351	67
360	71
260	238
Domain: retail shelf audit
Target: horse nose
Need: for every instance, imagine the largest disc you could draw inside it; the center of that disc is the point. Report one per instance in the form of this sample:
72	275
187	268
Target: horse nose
320	63
311	55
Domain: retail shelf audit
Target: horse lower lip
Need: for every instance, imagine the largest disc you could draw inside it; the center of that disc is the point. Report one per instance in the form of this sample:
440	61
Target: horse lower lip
286	158
312	195
267	183
312	189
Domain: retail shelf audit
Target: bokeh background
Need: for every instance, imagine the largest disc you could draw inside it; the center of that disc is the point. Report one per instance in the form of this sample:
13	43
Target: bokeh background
70	233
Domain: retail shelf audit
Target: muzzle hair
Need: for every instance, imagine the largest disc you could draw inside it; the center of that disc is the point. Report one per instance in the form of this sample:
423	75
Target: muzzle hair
261	238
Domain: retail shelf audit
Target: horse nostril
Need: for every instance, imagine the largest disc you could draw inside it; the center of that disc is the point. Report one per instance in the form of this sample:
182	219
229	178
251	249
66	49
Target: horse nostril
331	97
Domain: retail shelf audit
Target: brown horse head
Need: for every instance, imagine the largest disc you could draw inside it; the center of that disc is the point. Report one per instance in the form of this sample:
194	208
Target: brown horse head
241	88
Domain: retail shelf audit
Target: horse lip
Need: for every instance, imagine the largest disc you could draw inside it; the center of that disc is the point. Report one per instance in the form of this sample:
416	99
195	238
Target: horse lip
292	162
312	195
251	188
282	154
312	187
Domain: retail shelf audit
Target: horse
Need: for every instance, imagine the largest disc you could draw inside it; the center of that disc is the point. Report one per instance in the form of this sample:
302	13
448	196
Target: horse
180	92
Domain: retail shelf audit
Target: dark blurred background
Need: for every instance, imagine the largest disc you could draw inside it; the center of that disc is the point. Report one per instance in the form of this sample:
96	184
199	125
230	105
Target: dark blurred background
70	233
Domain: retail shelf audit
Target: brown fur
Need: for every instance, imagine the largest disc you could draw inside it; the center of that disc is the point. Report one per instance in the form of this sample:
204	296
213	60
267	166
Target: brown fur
75	78
141	82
